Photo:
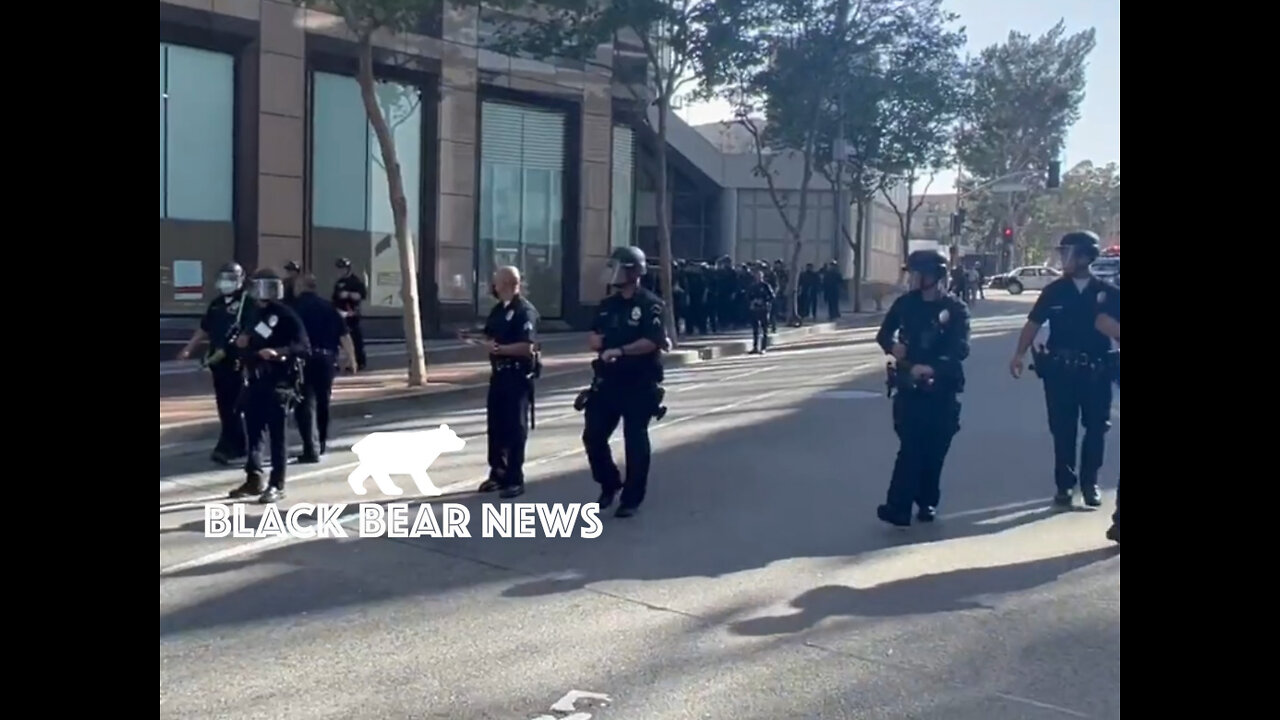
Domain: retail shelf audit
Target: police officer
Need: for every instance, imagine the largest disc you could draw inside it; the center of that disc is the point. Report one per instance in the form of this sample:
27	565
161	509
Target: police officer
831	282
1110	327
220	326
1076	366
931	344
291	272
629	336
326	332
348	292
274	347
511	332
810	282
760	298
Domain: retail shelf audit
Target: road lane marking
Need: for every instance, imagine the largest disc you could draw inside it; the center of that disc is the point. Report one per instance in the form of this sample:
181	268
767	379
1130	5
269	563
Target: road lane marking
261	544
1041	705
320	472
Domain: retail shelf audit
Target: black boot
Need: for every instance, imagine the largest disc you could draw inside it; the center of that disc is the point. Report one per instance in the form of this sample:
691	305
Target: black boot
885	514
252	486
1092	495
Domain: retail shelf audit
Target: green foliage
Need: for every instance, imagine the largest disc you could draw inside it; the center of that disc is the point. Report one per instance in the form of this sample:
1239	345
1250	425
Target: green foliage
1088	200
670	33
1025	96
365	17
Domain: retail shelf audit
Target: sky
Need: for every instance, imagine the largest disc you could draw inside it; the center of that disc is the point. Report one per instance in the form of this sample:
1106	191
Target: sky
1096	136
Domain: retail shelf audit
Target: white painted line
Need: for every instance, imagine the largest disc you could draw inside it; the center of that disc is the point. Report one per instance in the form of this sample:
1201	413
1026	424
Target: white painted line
996	508
261	544
320	472
569	701
849	395
1041	705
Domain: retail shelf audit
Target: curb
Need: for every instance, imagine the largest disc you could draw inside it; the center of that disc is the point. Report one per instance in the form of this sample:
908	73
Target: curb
198	430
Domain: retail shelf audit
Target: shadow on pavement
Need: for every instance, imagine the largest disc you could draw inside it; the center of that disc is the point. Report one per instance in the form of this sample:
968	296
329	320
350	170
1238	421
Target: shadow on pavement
802	484
939	593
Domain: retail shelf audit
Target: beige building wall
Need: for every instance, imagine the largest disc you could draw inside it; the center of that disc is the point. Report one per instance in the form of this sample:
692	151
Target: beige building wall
282	127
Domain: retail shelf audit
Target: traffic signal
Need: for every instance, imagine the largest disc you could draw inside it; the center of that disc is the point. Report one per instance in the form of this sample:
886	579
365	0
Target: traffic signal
1055	175
957	223
1008	234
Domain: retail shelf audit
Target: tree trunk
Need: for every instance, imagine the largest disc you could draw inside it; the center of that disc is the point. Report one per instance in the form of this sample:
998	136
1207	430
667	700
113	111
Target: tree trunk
663	199
400	218
858	225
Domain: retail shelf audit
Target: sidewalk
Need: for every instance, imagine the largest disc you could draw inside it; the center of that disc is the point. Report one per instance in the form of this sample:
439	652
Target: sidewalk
187	410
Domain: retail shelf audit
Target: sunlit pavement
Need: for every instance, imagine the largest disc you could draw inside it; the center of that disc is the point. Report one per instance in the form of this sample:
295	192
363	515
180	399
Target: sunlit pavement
755	582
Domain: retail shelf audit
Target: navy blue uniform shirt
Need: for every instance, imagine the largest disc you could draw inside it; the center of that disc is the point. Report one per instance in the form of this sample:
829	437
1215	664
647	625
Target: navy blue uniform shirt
322	322
278	327
1071	308
509	323
935	332
621	321
223	314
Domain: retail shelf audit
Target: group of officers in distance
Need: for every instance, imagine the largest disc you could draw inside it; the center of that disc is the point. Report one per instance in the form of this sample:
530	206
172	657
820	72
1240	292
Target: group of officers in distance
273	347
925	334
714	297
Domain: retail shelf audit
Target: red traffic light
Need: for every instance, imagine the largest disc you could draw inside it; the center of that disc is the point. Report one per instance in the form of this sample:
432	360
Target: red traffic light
1008	232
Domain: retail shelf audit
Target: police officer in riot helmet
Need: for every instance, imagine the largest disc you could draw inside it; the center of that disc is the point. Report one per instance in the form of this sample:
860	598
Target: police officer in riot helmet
220	326
274	345
1077	365
926	331
292	272
348	293
629	336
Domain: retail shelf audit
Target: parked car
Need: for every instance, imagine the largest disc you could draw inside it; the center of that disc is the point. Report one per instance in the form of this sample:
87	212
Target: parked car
1107	268
1028	278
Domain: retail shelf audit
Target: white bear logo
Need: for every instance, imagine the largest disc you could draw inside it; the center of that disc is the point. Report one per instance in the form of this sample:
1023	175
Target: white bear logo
383	454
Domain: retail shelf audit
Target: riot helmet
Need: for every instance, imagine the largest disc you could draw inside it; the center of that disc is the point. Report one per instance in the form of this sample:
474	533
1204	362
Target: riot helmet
626	265
292	268
266	286
230	278
342	263
925	268
1078	250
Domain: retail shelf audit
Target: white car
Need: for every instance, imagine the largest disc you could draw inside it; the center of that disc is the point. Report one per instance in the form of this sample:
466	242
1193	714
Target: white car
1030	278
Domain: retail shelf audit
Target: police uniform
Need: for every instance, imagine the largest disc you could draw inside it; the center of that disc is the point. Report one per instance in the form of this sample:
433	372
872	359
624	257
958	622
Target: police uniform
292	271
222	322
510	392
627	390
1077	366
348	292
271	385
325	329
759	304
926	412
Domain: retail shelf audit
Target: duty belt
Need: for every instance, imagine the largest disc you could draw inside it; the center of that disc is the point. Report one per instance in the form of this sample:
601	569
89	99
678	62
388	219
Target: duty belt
1074	361
509	365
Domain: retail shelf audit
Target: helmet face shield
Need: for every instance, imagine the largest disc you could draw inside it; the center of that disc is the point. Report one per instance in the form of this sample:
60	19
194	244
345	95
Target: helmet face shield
1074	257
616	273
267	289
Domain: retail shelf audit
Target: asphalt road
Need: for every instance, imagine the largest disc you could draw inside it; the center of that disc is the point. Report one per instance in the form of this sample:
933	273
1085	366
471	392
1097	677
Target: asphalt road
755	582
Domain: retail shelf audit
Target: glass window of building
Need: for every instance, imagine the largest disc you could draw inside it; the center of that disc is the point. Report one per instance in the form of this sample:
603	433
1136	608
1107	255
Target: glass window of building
522	178
623	191
197	160
350	201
